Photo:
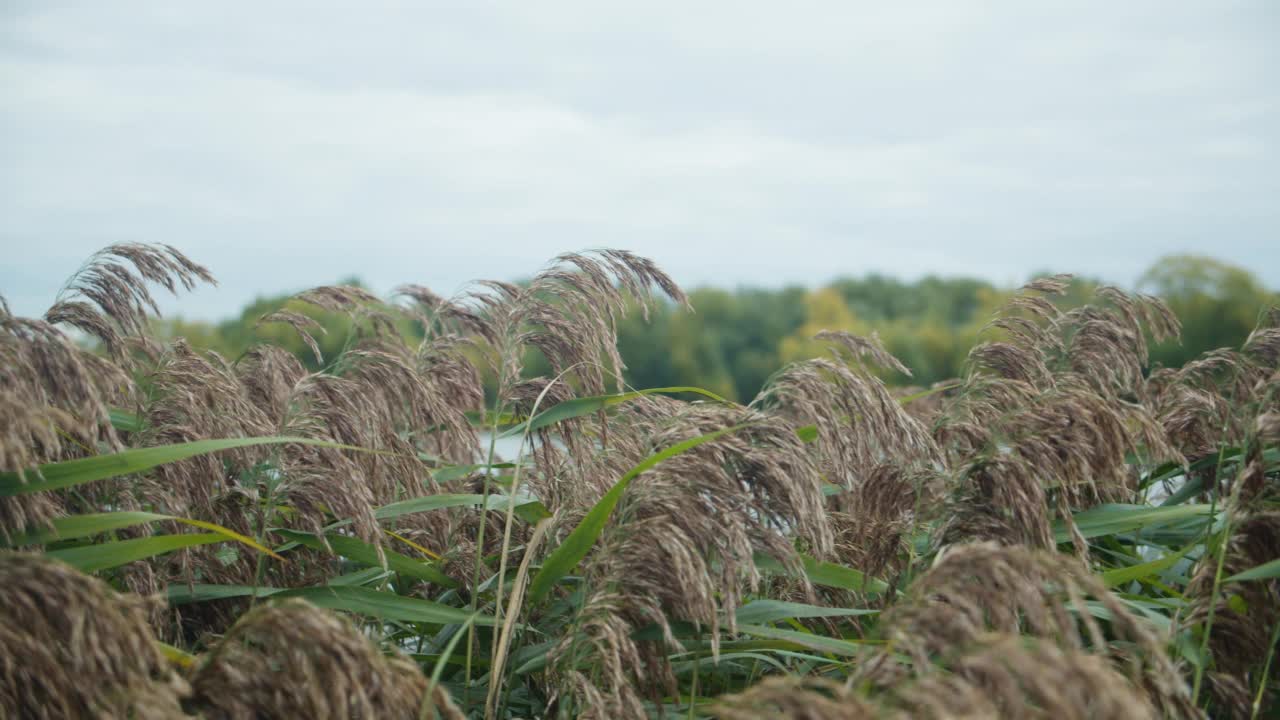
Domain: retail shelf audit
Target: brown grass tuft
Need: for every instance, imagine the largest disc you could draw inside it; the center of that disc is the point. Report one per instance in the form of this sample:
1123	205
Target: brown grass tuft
291	660
71	647
974	590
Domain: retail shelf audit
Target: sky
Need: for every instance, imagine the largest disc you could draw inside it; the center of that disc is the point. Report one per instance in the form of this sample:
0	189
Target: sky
292	144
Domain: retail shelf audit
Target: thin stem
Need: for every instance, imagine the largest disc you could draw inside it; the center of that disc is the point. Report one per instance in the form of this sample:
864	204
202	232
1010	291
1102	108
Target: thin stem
499	408
515	489
1266	671
1217	575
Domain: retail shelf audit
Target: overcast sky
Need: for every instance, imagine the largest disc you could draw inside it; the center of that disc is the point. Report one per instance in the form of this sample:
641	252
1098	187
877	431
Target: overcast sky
290	144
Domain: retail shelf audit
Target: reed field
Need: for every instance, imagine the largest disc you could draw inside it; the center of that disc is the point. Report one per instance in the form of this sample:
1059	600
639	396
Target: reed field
1064	531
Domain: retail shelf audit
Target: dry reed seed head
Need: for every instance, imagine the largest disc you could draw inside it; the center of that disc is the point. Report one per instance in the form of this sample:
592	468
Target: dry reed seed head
1050	284
762	468
197	396
1244	616
862	349
1194	419
368	315
1108	355
1159	318
292	660
440	316
268	375
969	419
1012	362
346	299
108	297
1081	442
1028	333
599	669
1267	427
569	312
1068	446
873	530
423	298
794	697
72	647
454	383
302	324
1104	346
999	498
54	400
999	675
860	425
684	537
428	400
64	390
1213	400
1263	346
1109	345
1004	675
540	395
976	589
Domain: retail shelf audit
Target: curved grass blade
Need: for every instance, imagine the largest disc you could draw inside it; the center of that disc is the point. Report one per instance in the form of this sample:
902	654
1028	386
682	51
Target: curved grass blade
575	547
827	573
1112	519
101	556
1119	576
351	598
762	611
181	658
78	526
1265	571
420	548
441	663
202	592
821	643
124	420
69	473
530	510
364	553
384	605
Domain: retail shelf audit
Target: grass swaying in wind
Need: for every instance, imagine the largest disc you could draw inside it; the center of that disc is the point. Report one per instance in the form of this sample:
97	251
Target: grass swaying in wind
1064	531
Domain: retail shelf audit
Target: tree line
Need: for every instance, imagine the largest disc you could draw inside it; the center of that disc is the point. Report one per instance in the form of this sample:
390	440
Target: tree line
733	340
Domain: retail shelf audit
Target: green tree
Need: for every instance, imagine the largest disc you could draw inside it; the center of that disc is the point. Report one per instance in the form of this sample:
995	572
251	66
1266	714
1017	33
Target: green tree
1219	304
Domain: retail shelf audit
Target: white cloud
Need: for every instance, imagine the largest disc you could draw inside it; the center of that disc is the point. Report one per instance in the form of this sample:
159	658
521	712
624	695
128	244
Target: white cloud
287	145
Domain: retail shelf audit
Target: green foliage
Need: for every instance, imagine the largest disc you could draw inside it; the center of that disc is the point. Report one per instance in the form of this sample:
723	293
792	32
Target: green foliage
803	606
1217	303
736	339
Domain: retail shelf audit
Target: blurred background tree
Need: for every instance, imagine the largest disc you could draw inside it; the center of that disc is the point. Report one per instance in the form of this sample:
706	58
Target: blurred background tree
735	339
1219	304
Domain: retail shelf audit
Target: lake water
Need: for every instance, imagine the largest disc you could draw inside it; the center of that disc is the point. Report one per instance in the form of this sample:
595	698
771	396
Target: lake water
506	448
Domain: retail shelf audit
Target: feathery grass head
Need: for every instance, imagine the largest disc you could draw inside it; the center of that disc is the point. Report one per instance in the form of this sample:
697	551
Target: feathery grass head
53	406
108	297
72	647
291	659
976	589
1244	613
1003	675
860	425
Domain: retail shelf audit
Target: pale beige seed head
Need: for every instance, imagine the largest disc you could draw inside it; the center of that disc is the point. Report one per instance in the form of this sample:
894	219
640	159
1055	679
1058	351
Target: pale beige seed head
72	647
292	660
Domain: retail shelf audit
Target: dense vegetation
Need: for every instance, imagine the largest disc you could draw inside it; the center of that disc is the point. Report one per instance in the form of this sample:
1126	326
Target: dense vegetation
1063	531
734	340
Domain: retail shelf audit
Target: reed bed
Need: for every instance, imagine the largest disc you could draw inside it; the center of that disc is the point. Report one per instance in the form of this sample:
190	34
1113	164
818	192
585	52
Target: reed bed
1065	531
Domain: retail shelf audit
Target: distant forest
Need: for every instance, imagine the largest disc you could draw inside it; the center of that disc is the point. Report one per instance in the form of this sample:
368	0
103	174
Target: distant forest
733	340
